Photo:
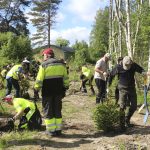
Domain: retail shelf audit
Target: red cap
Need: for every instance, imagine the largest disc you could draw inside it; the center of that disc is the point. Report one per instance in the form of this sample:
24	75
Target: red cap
48	51
8	98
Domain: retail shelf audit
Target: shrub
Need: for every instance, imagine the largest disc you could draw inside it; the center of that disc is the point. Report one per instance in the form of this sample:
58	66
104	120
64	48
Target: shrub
106	116
14	47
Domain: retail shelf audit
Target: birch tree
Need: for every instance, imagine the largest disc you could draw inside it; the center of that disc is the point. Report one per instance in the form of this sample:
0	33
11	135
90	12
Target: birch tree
119	30
126	25
110	26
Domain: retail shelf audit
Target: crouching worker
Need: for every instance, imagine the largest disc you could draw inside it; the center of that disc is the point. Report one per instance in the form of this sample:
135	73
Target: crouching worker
27	113
86	75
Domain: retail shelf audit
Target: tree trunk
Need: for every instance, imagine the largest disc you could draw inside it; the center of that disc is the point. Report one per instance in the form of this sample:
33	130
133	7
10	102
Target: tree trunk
120	30
128	29
110	30
110	27
149	63
137	24
49	23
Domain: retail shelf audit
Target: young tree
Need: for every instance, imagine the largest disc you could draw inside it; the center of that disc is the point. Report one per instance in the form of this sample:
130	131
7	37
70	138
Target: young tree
14	47
43	12
12	17
62	42
81	53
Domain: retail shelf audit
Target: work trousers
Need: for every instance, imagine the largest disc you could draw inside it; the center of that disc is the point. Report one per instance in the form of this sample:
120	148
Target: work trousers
83	86
101	86
52	106
126	96
12	82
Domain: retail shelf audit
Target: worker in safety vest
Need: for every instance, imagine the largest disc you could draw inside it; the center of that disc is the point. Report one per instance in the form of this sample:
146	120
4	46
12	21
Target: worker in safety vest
53	79
3	75
86	75
13	76
27	113
4	72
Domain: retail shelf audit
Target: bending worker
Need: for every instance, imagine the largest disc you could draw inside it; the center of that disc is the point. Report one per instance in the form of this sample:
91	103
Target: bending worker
27	113
13	76
53	79
127	89
86	75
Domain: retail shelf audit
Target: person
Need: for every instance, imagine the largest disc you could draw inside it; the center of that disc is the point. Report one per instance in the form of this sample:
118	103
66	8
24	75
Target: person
13	76
4	72
53	79
27	62
127	90
27	113
3	75
34	68
119	62
86	75
100	76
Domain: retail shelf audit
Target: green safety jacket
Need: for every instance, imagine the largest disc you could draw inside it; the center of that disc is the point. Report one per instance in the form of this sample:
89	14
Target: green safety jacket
21	104
52	77
14	72
86	72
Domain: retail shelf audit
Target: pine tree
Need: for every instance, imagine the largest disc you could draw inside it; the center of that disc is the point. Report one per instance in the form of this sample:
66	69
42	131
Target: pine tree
43	12
12	18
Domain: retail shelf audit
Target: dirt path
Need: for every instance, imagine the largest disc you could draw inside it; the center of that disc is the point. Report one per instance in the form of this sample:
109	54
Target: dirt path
79	131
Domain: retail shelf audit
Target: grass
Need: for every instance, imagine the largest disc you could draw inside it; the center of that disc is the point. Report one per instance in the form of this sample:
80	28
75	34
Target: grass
69	111
14	138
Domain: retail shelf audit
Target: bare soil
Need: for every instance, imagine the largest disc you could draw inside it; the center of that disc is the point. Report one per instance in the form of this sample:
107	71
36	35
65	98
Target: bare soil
79	131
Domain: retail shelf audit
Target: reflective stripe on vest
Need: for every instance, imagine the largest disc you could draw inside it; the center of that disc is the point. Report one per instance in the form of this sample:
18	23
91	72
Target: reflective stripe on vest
51	71
29	114
24	126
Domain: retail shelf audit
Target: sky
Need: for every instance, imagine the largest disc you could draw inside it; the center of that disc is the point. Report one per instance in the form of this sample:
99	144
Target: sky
74	20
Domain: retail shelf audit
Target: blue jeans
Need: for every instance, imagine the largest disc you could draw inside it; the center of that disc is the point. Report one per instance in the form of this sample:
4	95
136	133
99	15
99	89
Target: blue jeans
12	82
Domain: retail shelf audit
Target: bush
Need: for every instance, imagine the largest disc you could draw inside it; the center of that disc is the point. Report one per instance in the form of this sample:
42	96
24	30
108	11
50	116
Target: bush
14	47
106	117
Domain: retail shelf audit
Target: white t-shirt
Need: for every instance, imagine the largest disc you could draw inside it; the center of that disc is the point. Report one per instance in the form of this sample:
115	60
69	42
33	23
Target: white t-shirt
103	66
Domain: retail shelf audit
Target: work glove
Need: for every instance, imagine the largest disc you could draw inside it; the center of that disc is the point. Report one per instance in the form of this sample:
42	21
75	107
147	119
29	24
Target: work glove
10	119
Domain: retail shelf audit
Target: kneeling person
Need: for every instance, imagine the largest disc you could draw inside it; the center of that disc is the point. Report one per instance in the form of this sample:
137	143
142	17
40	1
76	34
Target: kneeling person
27	112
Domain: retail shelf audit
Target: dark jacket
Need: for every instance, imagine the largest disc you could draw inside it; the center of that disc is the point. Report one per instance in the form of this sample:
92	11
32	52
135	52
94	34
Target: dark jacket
125	77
